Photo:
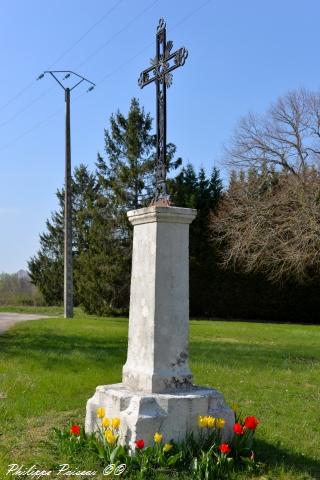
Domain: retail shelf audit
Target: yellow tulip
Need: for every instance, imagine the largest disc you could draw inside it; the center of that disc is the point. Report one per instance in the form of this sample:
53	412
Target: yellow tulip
106	422
220	422
157	437
211	422
101	412
167	447
110	436
116	422
235	407
203	422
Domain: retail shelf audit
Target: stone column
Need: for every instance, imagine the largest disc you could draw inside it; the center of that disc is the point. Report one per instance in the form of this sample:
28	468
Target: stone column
156	393
159	301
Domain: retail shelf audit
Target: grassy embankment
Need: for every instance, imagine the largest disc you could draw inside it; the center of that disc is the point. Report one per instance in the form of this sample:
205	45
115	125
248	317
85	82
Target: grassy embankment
49	368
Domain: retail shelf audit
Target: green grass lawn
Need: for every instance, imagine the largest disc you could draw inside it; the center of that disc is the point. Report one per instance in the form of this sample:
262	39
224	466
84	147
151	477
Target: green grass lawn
49	368
36	310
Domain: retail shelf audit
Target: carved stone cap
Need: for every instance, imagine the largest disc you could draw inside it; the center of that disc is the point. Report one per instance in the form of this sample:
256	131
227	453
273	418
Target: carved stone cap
162	214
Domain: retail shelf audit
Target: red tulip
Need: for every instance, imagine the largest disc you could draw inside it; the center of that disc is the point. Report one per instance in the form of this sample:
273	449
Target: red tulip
224	448
238	429
75	430
139	443
251	423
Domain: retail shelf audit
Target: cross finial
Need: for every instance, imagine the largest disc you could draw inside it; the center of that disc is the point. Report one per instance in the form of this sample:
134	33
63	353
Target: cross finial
160	72
161	25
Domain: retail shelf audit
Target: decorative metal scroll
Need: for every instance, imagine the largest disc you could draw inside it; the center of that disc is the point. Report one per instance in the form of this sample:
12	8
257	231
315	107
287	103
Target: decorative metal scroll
160	72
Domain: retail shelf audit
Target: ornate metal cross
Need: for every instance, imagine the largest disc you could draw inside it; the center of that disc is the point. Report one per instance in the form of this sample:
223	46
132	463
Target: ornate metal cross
160	72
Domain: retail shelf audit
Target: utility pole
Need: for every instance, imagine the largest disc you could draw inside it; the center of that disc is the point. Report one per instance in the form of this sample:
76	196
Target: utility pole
68	261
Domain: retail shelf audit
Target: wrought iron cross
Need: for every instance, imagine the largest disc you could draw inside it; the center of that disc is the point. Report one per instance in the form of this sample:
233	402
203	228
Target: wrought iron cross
160	72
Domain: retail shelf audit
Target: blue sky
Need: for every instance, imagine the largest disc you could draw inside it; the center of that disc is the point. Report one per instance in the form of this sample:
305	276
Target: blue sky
242	56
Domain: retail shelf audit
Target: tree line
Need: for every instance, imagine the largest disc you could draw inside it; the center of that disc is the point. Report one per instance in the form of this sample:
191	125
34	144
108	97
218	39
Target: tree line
17	289
254	246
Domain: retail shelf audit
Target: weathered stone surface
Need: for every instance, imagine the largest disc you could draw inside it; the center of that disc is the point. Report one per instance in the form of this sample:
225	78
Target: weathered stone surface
157	393
159	300
143	414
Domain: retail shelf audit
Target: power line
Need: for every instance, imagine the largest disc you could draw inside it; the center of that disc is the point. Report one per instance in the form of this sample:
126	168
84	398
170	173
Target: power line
36	126
193	12
116	34
29	85
86	33
17	95
35	100
122	65
17	114
104	78
184	19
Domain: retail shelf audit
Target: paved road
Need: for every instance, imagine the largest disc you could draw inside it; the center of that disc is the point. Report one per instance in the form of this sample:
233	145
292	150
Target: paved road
9	319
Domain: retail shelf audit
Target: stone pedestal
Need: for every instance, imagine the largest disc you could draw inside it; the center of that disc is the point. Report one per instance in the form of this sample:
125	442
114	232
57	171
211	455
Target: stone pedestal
157	393
173	414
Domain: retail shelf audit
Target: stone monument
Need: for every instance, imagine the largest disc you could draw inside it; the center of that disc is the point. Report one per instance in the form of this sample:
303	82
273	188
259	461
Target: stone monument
157	393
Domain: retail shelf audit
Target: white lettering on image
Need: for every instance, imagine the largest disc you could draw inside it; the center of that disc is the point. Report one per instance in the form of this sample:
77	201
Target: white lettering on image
65	471
116	470
20	470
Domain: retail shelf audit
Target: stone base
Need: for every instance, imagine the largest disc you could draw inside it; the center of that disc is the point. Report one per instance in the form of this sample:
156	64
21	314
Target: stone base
143	414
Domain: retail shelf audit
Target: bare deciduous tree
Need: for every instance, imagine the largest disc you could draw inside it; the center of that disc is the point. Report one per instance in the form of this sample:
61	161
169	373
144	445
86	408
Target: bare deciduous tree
286	137
269	220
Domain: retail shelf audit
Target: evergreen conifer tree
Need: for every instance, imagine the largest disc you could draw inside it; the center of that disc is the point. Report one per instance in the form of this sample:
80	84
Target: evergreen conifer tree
203	193
46	267
102	236
126	181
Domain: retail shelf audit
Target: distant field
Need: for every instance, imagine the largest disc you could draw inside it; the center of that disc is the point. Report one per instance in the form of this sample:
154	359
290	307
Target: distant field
49	368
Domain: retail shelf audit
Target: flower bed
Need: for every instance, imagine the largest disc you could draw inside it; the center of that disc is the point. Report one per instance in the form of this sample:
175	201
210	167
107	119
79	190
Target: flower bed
202	456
